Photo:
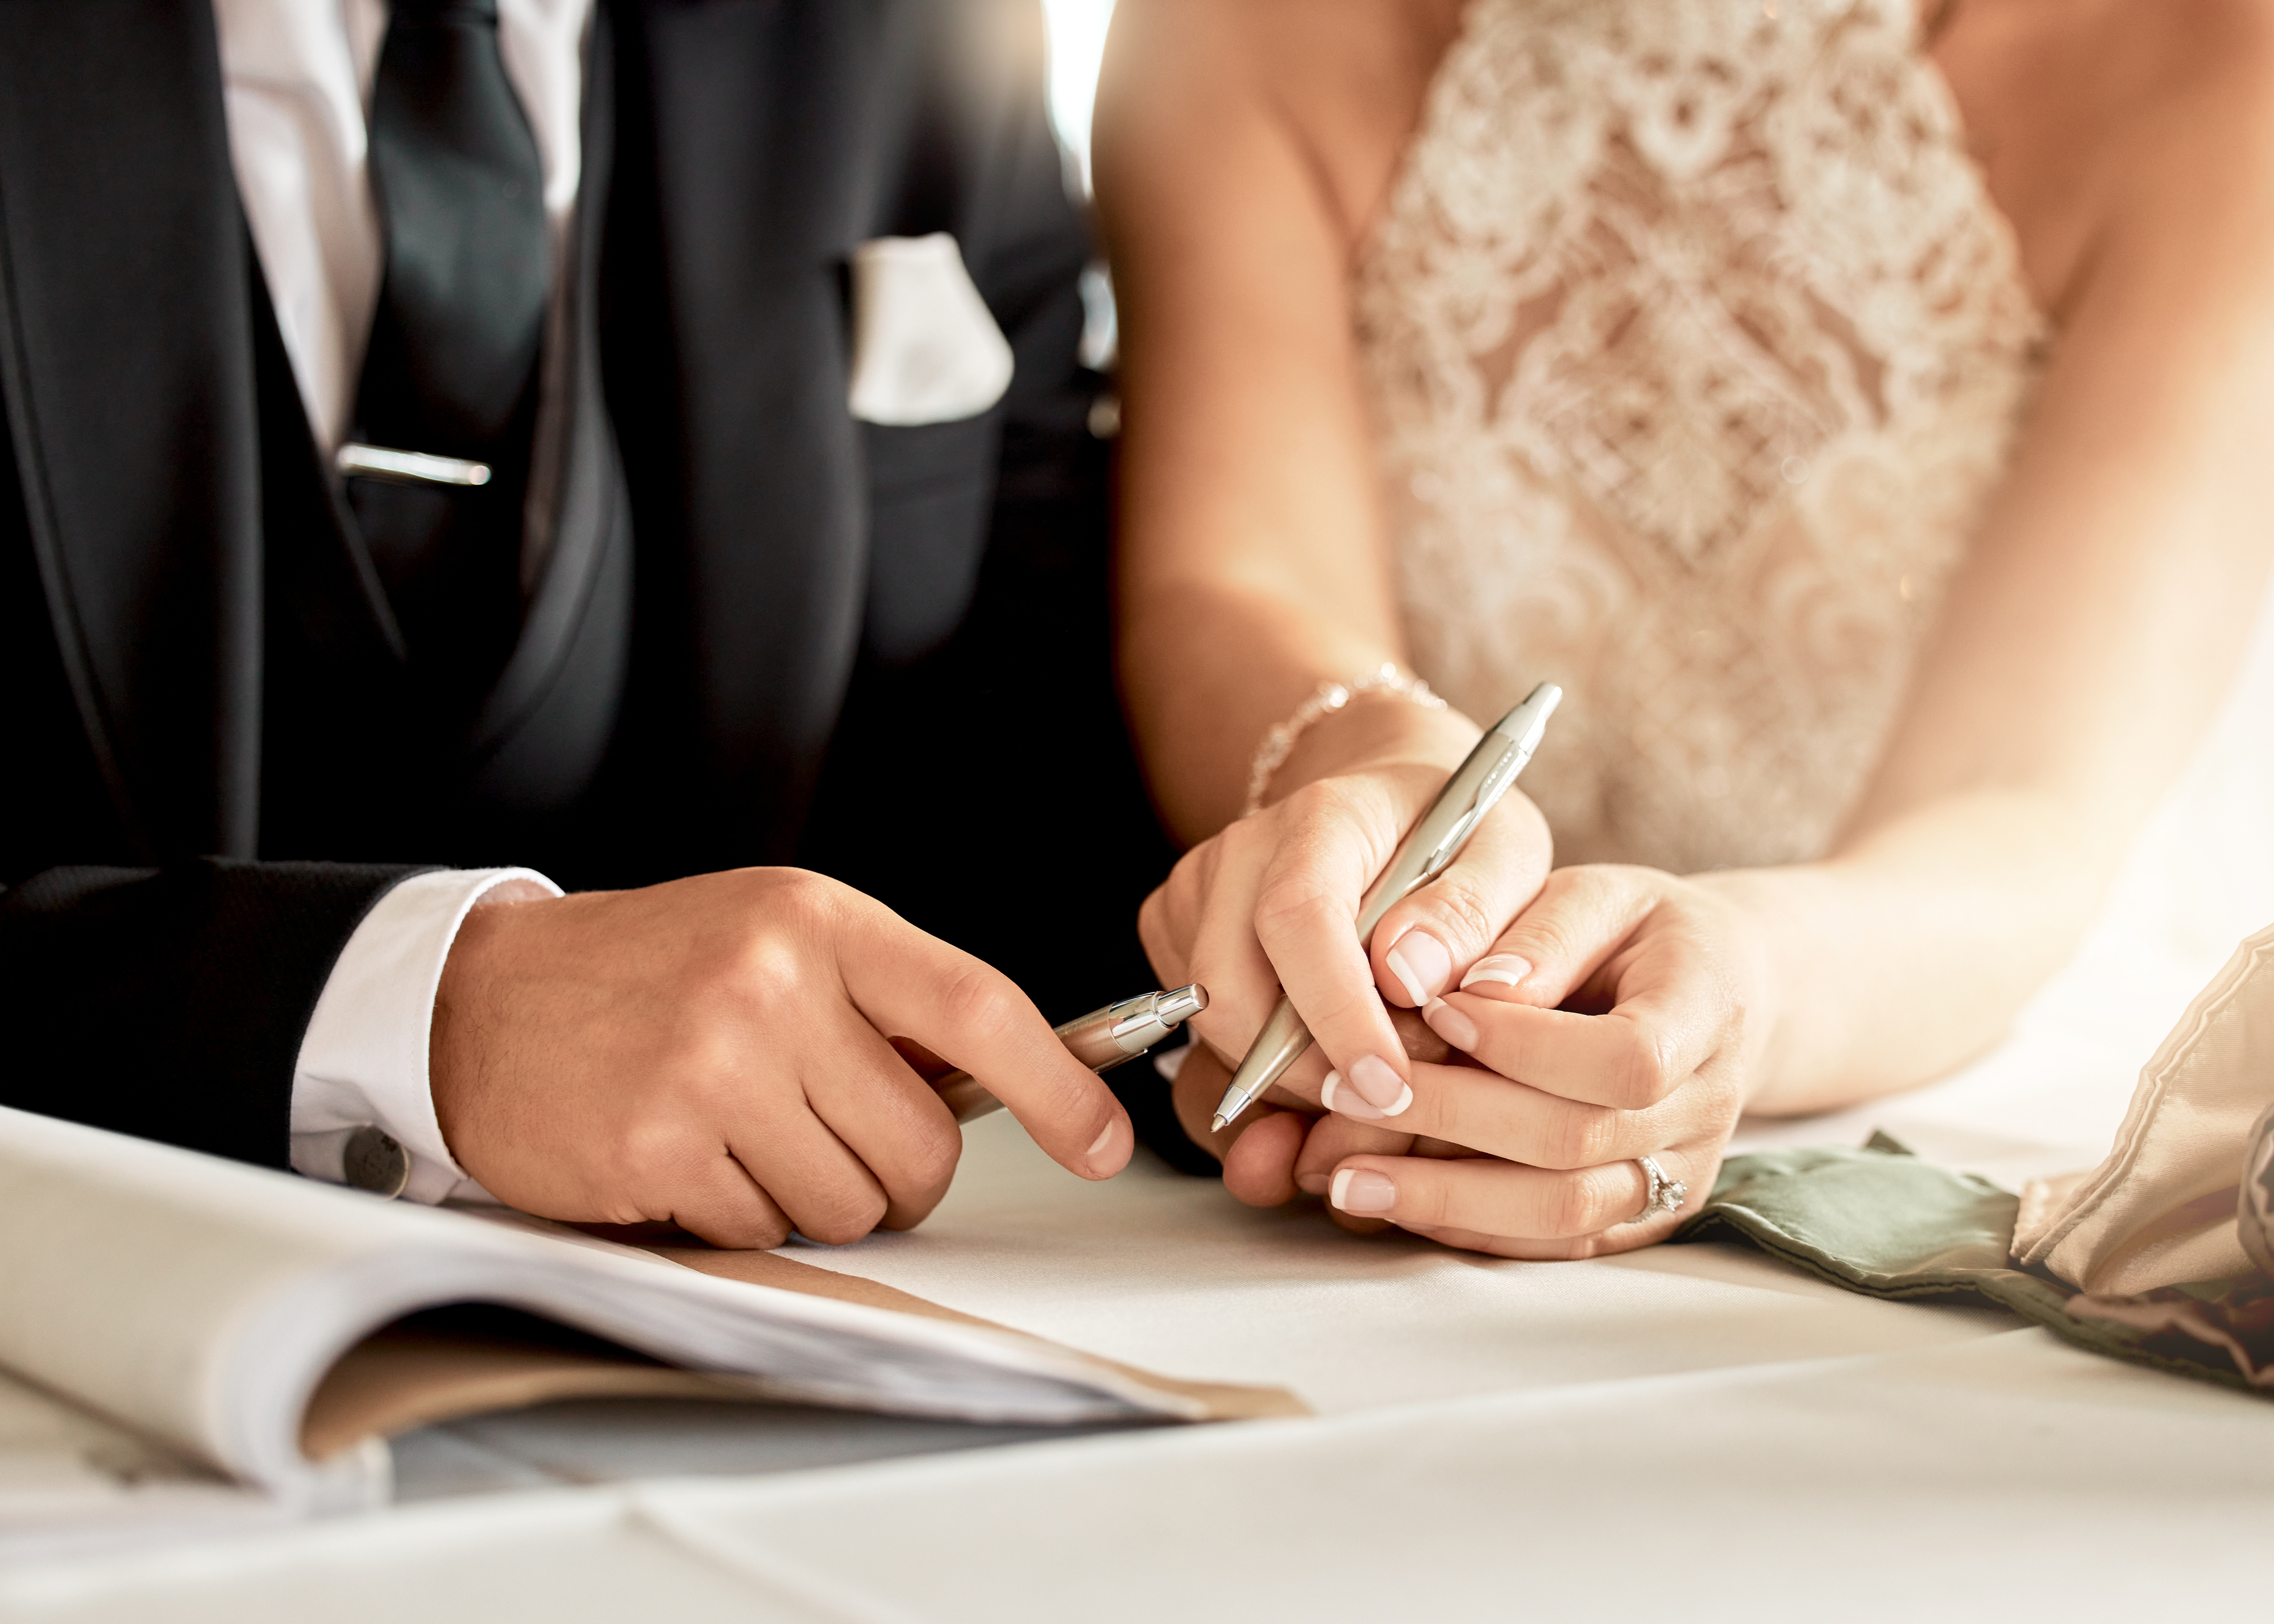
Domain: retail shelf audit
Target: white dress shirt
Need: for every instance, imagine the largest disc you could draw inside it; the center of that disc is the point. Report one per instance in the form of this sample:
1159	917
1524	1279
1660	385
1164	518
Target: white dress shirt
363	1060
296	79
296	82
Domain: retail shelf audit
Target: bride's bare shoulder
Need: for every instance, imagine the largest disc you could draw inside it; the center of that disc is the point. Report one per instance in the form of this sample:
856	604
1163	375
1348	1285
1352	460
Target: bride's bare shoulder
1342	79
2093	118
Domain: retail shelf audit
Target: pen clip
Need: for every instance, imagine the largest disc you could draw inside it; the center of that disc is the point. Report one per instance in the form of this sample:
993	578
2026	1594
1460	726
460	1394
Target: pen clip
1495	779
1515	755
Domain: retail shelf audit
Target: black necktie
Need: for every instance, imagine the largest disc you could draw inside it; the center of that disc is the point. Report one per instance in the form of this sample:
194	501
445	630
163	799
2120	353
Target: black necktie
452	366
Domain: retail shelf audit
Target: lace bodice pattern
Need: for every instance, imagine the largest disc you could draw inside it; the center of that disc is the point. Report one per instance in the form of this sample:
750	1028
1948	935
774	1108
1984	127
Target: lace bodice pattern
1695	345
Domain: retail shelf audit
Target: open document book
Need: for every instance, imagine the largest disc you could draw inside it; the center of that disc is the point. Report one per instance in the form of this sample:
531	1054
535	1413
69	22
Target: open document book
270	1329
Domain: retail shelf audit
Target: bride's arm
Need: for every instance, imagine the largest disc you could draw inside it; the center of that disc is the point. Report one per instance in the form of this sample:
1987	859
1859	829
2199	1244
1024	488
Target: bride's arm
1242	457
2104	610
2081	653
1253	563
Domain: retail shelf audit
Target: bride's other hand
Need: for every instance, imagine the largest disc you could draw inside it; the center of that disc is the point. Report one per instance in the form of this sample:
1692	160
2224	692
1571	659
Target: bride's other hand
1271	901
1620	1016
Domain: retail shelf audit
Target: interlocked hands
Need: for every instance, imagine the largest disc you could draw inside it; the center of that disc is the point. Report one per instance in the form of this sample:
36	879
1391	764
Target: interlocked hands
1572	1026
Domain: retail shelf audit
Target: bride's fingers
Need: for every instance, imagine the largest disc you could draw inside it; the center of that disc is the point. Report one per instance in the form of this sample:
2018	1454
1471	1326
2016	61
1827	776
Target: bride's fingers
1333	1138
1197	1085
1199	927
1508	1203
1685	1166
1258	1151
1258	1168
1570	1251
1628	1059
1579	919
1333	836
1511	1246
1674	1012
1485	1112
1424	944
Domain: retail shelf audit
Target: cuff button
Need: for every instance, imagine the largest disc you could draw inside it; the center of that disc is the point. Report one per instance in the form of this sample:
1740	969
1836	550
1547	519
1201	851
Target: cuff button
373	1161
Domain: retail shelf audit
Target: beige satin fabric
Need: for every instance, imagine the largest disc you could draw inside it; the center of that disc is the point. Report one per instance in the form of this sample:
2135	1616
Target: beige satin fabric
2160	1210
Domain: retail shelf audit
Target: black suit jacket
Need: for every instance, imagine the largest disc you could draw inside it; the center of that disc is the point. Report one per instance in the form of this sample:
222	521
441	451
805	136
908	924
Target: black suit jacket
216	770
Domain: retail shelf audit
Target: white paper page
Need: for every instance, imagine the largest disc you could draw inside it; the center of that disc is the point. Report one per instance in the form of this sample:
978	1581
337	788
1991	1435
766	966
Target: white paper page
135	1274
71	1482
200	1300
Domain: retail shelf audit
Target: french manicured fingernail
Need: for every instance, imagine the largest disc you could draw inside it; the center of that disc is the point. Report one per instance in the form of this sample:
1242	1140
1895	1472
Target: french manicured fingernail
1312	1183
1337	1095
1361	1190
1420	963
1096	1156
1450	1024
1378	1085
1506	968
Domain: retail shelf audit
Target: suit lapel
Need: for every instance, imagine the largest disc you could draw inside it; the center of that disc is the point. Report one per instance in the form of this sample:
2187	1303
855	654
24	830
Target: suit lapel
125	361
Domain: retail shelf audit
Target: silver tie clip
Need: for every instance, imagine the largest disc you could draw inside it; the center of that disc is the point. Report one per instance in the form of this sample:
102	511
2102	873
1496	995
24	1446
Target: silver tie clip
409	467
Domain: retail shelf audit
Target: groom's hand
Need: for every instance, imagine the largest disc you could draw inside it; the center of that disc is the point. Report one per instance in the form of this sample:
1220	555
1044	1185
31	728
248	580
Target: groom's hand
716	1053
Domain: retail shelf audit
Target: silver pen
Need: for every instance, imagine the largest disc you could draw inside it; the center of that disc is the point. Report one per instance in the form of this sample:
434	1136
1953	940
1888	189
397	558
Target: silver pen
1429	846
1101	1039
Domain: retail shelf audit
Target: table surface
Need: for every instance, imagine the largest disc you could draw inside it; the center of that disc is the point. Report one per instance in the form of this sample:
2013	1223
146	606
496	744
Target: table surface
1690	1429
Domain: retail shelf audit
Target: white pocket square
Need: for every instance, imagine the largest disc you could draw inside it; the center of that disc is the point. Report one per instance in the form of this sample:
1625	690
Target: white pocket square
925	347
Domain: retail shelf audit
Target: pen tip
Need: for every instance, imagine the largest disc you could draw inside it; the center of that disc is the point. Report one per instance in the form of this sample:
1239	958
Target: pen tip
1215	1124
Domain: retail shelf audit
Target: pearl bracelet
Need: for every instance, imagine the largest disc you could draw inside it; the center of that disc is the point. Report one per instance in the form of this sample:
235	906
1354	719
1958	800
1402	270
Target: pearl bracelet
1331	696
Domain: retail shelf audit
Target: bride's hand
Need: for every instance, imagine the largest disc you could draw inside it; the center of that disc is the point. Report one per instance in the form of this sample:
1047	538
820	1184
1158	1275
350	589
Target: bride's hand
1271	902
1619	1017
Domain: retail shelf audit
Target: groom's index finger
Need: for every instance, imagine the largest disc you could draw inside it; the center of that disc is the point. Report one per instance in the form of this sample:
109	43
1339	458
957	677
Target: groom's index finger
909	984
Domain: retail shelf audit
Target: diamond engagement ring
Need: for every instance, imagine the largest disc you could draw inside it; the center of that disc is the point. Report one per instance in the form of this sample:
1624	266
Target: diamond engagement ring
1667	1195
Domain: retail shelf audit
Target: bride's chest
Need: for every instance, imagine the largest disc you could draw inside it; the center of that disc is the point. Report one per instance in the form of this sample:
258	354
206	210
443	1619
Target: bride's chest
1671	258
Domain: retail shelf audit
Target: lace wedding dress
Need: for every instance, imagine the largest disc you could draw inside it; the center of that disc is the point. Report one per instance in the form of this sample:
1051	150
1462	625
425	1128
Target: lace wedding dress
1695	346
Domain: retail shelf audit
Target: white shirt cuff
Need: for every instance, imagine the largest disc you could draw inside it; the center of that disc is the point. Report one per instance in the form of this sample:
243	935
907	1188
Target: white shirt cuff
362	1062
